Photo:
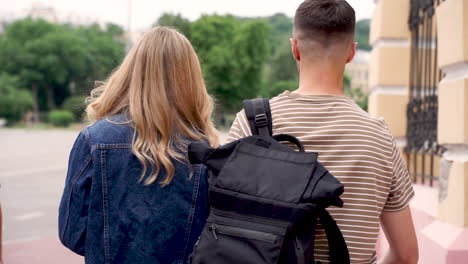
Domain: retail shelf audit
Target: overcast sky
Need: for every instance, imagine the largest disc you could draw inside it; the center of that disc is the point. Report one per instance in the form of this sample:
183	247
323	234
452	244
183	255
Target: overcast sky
145	12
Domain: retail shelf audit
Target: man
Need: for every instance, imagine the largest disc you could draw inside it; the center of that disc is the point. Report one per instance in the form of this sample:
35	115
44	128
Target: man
358	149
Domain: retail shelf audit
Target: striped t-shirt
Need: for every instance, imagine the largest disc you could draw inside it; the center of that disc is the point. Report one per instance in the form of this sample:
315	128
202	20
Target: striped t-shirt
358	149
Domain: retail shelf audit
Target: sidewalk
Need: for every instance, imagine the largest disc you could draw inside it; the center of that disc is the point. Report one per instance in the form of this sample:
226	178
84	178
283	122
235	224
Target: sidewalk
43	251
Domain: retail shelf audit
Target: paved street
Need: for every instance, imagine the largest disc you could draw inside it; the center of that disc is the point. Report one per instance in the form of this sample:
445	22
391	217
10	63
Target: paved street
32	173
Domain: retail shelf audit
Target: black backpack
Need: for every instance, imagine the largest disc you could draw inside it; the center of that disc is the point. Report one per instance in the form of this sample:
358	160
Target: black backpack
265	199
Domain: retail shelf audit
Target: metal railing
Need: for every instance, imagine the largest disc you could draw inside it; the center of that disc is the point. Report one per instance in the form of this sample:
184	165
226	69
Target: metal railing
422	111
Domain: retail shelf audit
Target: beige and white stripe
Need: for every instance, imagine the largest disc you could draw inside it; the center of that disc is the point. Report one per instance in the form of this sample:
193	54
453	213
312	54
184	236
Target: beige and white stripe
358	149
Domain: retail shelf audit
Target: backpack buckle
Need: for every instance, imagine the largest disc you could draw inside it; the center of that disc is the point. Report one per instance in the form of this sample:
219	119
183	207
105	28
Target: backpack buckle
261	121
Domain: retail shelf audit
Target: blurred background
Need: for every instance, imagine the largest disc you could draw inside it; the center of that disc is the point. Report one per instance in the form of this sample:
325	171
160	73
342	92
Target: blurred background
411	69
51	53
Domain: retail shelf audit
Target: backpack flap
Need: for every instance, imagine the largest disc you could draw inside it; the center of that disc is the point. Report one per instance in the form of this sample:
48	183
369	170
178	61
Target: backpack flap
214	159
265	172
324	189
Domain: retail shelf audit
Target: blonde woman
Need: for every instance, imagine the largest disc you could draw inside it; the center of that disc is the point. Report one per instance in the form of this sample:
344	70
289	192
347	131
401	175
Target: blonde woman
130	195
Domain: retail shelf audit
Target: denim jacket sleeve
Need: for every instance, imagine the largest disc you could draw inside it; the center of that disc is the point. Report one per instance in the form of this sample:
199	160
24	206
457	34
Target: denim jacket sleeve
73	211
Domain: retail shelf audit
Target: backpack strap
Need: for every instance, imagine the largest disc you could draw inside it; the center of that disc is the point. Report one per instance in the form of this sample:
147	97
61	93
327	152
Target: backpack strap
258	114
338	249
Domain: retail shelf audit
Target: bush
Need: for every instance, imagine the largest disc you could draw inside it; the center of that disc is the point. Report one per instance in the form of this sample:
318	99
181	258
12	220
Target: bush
76	105
279	87
61	118
359	96
43	117
14	102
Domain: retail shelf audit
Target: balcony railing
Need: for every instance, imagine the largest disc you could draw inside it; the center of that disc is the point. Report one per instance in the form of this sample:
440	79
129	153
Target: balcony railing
422	147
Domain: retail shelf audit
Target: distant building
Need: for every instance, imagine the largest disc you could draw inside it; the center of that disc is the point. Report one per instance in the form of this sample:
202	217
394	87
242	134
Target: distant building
41	11
358	70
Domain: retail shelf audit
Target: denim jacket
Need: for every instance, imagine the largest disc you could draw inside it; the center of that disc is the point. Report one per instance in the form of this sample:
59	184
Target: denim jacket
107	215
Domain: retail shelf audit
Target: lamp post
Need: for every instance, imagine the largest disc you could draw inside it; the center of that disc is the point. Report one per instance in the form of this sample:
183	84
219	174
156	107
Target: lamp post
129	16
129	25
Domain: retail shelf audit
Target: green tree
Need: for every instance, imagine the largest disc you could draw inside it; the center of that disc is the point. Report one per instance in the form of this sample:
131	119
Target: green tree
60	58
56	61
362	34
283	66
251	50
281	31
346	82
75	105
14	102
114	31
278	87
17	60
358	95
233	54
176	21
104	52
213	38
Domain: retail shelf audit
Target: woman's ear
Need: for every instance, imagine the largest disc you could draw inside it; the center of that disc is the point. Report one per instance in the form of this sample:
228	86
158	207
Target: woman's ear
295	49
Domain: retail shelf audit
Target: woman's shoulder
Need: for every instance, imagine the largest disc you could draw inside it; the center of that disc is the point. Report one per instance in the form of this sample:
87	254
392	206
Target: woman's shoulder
113	130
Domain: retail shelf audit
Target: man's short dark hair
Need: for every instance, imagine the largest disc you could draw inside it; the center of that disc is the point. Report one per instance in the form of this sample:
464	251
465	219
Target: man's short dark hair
324	21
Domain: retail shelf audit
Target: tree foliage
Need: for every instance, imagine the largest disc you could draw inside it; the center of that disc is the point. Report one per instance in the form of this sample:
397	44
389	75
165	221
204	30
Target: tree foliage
281	31
76	105
46	63
283	66
238	63
281	71
175	21
233	54
105	51
362	34
278	87
358	95
14	102
55	61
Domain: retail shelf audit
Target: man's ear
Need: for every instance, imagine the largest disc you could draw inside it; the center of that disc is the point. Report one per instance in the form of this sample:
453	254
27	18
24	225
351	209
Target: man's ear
295	49
352	52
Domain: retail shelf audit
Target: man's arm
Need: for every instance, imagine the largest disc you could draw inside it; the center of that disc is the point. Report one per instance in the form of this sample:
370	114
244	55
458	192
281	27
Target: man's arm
399	230
396	219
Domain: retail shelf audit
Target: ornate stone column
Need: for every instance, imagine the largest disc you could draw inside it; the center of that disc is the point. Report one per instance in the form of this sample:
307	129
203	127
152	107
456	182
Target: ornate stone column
390	64
447	236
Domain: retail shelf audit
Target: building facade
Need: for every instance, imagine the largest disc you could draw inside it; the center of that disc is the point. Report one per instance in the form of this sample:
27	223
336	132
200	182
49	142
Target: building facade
419	84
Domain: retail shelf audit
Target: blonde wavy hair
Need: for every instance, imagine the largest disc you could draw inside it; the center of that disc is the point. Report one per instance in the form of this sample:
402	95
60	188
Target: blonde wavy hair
160	86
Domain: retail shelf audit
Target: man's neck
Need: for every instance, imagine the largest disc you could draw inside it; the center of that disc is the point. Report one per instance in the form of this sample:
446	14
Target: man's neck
321	80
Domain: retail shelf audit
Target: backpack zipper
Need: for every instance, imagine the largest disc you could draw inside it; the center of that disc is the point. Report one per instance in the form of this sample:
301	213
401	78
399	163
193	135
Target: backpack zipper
273	222
213	230
299	251
243	233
